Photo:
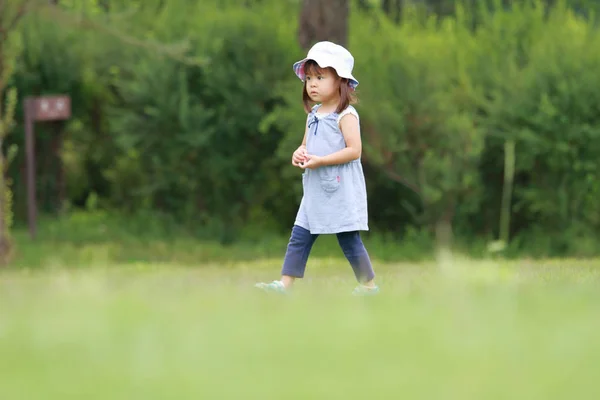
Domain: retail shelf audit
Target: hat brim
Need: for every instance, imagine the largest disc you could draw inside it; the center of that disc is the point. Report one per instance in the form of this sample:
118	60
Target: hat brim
323	63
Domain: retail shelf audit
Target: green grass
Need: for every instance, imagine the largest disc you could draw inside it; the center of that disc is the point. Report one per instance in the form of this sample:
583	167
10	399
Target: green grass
81	239
96	308
154	330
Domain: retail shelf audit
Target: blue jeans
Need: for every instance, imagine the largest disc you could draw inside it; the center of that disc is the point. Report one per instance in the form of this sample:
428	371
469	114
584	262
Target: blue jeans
301	243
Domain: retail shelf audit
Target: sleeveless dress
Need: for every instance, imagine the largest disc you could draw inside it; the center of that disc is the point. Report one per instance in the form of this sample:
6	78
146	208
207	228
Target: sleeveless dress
335	196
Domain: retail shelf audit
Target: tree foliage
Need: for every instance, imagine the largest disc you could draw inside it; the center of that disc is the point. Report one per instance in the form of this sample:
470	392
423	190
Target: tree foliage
202	130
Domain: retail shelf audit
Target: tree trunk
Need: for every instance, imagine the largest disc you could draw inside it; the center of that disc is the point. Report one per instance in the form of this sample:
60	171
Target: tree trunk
443	237
323	20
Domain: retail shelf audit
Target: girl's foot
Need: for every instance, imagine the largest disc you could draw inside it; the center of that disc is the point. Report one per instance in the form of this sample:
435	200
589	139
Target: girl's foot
275	286
362	290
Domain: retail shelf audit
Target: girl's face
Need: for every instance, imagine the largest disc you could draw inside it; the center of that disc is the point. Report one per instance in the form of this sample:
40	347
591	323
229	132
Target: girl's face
322	85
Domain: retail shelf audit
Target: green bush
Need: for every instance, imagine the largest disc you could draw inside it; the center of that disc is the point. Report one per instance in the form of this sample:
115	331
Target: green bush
541	90
188	135
200	131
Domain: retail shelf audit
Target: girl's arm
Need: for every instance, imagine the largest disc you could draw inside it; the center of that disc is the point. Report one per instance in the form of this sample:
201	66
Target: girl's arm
305	135
351	131
299	156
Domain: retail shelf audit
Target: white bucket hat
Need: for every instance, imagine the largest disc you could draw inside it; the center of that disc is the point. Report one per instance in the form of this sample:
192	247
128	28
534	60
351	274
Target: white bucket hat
328	54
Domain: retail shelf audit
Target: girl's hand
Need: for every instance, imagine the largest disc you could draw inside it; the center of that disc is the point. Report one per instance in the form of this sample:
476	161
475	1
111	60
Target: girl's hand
313	162
299	156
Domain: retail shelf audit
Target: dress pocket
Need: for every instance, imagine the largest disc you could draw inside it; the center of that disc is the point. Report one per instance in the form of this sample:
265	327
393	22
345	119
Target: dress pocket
329	178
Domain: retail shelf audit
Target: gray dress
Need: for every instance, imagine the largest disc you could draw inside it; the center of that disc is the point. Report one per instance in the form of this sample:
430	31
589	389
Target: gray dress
335	196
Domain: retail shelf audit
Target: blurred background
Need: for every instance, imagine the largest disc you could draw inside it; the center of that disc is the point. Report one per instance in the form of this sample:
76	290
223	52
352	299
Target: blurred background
479	116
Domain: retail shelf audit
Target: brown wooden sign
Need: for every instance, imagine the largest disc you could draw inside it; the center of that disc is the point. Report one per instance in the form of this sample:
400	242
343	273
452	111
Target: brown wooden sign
51	108
43	108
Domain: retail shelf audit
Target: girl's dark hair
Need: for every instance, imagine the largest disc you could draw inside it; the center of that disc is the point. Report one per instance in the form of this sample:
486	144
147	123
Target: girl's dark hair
347	95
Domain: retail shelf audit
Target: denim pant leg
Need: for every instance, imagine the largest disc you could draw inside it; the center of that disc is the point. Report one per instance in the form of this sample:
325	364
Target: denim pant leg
297	252
357	255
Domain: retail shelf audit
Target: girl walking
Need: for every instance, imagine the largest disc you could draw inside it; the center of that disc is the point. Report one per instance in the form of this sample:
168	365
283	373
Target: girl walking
335	197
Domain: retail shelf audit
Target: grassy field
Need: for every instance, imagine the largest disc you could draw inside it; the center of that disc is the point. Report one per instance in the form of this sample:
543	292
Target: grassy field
98	309
174	329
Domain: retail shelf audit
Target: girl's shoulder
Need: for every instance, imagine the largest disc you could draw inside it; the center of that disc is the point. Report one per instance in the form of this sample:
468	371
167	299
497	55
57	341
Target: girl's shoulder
349	110
313	111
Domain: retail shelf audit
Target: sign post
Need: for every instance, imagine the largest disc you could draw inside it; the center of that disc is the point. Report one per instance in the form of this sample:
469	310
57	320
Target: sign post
44	108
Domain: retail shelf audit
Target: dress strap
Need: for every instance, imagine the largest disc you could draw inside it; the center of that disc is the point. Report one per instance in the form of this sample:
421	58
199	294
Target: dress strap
314	121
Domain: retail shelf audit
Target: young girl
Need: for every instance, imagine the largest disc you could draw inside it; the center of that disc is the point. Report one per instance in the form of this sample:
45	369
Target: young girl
335	197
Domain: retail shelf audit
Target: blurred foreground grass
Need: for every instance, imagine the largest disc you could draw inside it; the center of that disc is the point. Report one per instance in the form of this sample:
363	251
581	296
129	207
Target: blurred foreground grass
150	330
